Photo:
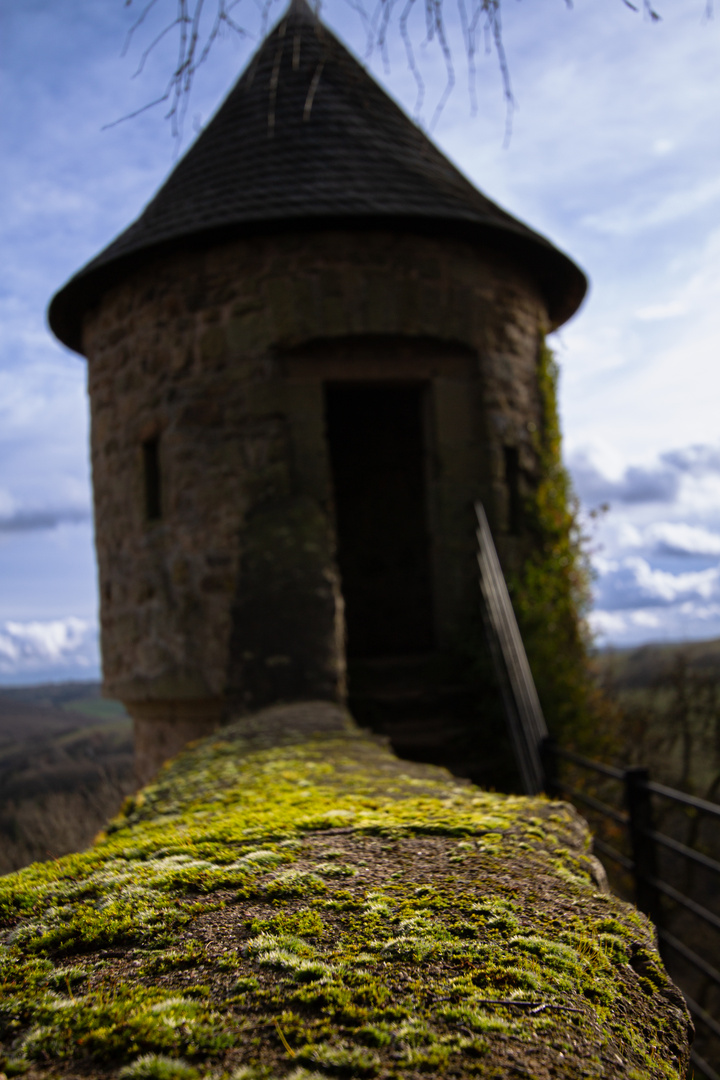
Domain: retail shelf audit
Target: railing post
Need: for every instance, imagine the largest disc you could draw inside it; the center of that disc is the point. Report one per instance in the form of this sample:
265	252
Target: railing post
548	757
640	824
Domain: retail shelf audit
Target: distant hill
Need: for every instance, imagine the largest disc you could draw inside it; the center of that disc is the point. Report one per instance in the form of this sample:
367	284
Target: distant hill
65	767
641	667
669	721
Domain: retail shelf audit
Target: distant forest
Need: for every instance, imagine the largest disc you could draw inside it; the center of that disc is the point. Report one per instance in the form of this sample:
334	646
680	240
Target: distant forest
65	768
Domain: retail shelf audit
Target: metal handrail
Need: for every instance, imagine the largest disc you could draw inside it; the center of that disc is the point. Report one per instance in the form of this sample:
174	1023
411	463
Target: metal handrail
684	901
597	804
588	763
630	864
610	853
639	790
688	954
702	1014
682	797
682	849
703	1065
525	720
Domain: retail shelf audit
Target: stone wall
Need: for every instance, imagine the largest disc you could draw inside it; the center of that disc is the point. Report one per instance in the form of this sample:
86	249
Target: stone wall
288	900
221	357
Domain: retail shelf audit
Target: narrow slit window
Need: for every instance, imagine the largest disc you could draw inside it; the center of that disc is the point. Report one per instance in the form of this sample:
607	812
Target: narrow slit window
512	480
151	472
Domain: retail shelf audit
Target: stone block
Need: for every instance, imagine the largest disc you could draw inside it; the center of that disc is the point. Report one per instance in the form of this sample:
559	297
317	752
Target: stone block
213	344
380	304
281	314
246	334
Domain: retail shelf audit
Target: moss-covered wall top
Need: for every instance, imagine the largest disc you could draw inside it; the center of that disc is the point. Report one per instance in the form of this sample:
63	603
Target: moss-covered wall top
290	900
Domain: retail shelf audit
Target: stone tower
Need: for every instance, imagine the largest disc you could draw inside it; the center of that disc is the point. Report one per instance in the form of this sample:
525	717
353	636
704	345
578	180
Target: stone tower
310	354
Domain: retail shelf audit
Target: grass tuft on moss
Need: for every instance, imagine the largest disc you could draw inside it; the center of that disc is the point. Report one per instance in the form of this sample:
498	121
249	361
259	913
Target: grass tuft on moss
158	1067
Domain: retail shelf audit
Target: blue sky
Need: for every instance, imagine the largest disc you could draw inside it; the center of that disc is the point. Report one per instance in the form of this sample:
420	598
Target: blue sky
614	155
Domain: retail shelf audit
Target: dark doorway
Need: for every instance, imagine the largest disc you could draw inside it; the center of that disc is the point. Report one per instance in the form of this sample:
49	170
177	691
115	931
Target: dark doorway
377	455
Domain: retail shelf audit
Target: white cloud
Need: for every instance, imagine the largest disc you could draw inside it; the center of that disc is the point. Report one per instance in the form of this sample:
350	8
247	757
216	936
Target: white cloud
664	586
701	612
610	625
30	519
604	566
647	620
7	504
698	459
657	577
657	482
64	648
628	535
688	476
635	583
625	220
638	382
663	146
671	310
683	539
684	622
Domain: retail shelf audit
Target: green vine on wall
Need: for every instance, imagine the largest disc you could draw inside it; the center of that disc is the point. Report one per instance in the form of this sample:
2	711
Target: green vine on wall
551	594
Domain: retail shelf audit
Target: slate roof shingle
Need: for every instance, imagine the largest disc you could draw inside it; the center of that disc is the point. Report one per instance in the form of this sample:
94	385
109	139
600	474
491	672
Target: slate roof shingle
307	137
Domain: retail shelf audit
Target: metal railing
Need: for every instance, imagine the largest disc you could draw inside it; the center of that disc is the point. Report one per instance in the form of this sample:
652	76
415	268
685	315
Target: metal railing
538	758
645	841
524	715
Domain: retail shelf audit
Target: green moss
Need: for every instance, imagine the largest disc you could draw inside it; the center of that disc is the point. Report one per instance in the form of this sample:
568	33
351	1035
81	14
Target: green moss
344	1059
375	1034
305	922
190	955
277	904
335	870
16	1066
122	1021
289	953
296	883
66	980
158	1067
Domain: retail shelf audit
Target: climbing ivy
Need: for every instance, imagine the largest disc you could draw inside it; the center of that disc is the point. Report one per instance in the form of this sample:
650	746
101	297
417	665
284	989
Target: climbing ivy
551	593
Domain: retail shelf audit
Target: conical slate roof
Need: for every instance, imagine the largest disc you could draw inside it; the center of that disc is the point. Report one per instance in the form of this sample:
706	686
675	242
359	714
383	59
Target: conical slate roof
307	137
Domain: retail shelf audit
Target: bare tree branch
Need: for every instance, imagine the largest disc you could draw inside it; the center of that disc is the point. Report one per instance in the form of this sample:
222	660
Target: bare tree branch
138	112
410	53
469	40
196	38
439	28
151	46
146	11
193	50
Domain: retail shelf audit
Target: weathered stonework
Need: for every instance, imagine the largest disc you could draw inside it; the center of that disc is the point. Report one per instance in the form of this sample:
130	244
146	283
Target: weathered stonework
233	594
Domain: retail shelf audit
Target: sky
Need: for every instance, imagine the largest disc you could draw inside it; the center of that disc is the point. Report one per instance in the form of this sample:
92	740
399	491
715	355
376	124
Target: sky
613	154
